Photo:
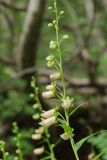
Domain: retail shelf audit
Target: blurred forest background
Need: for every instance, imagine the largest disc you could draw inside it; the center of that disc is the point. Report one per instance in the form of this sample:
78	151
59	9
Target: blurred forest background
24	41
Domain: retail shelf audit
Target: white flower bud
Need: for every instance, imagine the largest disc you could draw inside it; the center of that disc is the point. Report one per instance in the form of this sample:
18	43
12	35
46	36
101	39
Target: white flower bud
48	122
48	94
52	45
32	95
55	76
50	58
6	153
65	36
67	103
36	136
39	151
33	83
40	130
50	64
54	21
15	158
50	25
50	87
64	136
49	8
48	114
36	116
61	12
17	151
36	106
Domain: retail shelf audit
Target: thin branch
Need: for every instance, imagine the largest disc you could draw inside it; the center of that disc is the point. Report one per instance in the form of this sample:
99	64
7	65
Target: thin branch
82	86
10	6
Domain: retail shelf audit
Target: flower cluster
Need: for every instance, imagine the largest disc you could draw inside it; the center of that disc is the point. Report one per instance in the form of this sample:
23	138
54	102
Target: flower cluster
2	149
38	136
50	61
36	106
55	62
48	118
17	140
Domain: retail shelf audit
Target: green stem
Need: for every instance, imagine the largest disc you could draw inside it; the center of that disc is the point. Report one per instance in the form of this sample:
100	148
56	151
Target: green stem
19	148
59	49
71	139
52	155
62	77
4	156
21	156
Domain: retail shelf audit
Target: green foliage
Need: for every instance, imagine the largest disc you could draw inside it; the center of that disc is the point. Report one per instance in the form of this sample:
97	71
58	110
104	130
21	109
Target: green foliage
14	105
100	142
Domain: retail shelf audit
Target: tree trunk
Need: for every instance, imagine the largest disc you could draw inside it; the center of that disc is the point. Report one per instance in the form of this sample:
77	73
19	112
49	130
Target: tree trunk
28	42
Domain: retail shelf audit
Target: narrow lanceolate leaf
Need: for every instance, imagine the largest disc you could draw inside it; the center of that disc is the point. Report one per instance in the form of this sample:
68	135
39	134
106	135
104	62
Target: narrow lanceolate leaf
46	158
98	156
82	141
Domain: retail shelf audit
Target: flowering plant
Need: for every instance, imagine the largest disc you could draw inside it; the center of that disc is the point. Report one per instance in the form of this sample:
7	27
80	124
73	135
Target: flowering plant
53	116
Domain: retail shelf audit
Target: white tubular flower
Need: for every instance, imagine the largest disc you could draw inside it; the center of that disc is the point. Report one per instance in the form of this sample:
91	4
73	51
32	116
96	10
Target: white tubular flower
55	76
39	151
48	94
48	122
36	136
48	114
40	130
50	87
64	136
67	103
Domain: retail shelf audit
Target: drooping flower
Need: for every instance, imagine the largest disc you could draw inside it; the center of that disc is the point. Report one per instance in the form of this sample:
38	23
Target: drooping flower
40	130
48	122
39	151
48	94
64	136
48	114
50	87
55	76
36	136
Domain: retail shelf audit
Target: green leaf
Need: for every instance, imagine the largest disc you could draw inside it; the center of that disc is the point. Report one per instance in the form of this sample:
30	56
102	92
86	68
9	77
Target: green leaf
61	121
76	108
45	158
67	128
98	156
81	142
